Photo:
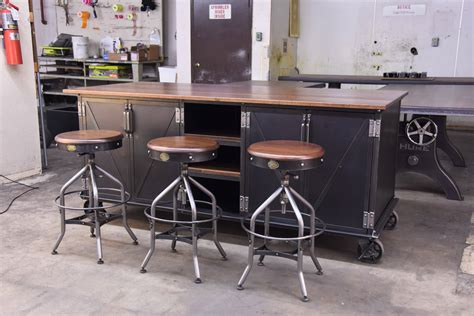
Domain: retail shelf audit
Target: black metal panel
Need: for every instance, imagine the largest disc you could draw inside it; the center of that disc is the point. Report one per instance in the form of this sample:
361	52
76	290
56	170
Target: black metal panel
269	124
108	114
152	120
345	172
387	160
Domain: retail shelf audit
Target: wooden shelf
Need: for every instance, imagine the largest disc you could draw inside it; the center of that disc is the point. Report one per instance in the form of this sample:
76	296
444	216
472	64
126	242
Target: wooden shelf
221	139
218	171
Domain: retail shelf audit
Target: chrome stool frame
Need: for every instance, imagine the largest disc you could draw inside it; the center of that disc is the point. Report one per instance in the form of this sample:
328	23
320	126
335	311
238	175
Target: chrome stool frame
181	186
95	212
287	195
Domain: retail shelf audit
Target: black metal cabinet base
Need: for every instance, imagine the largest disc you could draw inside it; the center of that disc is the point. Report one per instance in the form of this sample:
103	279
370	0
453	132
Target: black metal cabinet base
353	191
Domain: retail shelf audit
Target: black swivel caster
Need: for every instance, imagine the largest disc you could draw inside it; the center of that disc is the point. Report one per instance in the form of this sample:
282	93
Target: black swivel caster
392	221
370	251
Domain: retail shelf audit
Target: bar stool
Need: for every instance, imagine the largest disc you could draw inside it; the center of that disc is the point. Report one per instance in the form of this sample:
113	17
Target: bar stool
284	156
87	142
184	150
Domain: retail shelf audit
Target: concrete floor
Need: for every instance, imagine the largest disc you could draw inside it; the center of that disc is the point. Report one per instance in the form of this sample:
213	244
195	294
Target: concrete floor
419	273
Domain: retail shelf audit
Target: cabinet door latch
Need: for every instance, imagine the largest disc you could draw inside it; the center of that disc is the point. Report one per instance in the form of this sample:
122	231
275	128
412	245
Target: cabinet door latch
128	119
244	204
245	119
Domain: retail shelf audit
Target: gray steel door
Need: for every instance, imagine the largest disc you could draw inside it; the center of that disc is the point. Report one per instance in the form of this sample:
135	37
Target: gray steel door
108	114
347	160
157	119
270	124
221	40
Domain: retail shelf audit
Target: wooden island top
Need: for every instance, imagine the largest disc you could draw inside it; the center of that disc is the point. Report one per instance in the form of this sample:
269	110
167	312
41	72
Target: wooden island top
251	93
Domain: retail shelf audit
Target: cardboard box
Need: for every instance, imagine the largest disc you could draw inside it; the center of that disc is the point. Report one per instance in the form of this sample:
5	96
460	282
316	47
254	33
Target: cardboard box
110	71
119	56
154	52
139	53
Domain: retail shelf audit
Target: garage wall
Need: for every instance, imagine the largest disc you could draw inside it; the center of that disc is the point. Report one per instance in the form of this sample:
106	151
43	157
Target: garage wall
19	132
354	37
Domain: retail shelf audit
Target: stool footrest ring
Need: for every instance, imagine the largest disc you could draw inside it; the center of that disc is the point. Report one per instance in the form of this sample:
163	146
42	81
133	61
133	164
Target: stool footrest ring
317	233
100	190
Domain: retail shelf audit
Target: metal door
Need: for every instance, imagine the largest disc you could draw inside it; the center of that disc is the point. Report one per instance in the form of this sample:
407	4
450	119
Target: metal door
157	119
221	41
108	114
345	173
270	124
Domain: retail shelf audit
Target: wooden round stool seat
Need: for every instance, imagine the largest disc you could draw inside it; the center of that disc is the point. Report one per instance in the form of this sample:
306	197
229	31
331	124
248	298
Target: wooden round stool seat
88	141
183	148
286	154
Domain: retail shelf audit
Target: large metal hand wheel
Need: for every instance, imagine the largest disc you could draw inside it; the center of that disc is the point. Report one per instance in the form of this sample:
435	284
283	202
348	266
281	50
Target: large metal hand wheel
421	131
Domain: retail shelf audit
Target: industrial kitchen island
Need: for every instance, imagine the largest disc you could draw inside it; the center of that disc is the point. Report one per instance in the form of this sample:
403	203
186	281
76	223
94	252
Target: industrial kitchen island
353	190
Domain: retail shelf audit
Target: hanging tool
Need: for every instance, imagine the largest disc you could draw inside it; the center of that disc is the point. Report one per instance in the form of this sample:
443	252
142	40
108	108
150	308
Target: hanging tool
93	4
65	5
84	16
43	20
147	6
133	17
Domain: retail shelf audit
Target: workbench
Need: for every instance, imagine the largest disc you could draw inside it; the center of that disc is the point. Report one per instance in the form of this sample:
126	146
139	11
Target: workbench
353	191
431	100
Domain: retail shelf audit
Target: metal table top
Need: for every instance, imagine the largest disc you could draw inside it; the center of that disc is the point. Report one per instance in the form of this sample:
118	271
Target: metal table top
353	79
436	100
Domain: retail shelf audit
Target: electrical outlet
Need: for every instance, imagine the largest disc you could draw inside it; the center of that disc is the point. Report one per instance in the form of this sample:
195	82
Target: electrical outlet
259	36
435	42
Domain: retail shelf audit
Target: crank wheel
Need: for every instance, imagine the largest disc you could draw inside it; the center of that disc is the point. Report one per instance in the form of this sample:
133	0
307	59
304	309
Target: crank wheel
370	251
392	221
421	131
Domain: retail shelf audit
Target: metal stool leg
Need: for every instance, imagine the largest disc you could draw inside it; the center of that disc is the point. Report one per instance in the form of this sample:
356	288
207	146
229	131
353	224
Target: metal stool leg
175	218
312	231
95	199
152	222
266	233
214	214
262	207
124	206
194	230
62	210
299	217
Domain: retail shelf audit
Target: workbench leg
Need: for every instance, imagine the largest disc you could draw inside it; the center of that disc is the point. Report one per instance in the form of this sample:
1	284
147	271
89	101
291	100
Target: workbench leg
424	160
445	144
137	72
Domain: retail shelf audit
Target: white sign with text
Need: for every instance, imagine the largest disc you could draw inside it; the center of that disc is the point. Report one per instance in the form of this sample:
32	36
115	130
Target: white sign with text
220	11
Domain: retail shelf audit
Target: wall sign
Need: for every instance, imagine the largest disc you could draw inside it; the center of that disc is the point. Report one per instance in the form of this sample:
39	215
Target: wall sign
404	10
220	11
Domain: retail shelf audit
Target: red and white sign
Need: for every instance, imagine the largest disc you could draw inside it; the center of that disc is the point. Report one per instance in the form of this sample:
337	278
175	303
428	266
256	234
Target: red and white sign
220	11
404	10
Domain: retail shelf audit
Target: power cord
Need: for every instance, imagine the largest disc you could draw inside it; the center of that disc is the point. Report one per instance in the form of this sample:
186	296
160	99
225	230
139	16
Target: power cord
31	188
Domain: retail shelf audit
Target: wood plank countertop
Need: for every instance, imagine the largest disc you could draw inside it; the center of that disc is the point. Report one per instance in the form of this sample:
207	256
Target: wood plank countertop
272	94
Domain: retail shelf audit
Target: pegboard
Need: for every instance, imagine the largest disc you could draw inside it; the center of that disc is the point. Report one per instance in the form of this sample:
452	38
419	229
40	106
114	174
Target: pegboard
106	23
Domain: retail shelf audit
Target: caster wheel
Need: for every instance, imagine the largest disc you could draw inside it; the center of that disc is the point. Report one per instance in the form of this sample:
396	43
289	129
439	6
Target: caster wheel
54	252
305	299
370	251
143	270
135	242
240	287
392	221
198	281
100	261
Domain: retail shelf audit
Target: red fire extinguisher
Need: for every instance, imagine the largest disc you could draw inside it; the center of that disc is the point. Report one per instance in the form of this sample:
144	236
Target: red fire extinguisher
11	36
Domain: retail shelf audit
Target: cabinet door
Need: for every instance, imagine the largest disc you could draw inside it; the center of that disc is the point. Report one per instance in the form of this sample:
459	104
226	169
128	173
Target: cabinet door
108	114
151	120
269	124
344	136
